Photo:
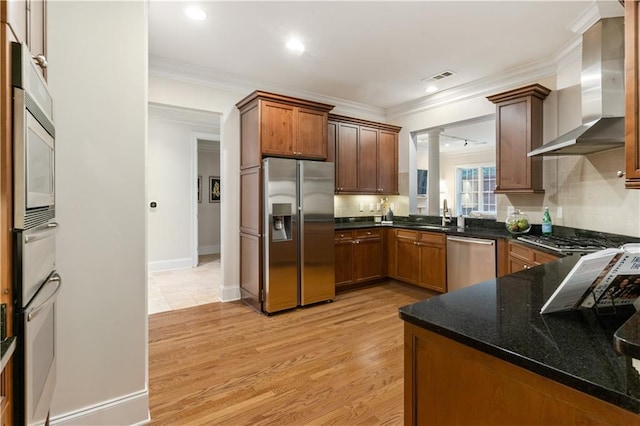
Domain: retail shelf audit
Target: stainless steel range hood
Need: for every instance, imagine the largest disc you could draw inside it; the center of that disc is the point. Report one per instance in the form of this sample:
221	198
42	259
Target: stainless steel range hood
602	94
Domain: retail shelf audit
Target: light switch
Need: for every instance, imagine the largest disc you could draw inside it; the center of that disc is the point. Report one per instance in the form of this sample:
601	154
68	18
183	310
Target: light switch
559	214
361	207
392	206
378	206
370	207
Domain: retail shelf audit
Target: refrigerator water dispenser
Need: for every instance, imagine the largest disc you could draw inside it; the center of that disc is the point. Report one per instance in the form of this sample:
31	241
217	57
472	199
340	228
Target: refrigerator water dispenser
281	222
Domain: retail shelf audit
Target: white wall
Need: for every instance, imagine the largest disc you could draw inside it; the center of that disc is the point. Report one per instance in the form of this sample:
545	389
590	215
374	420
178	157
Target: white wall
208	213
97	53
171	172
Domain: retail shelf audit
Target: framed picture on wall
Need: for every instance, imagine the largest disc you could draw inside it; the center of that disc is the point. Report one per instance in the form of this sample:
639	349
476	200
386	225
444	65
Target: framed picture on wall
214	189
199	188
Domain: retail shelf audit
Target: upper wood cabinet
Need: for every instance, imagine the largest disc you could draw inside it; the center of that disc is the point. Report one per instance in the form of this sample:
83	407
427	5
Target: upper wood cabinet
632	94
281	126
366	155
519	131
27	21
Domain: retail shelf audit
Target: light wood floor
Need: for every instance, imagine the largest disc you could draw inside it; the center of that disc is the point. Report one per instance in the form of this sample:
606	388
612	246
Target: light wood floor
339	363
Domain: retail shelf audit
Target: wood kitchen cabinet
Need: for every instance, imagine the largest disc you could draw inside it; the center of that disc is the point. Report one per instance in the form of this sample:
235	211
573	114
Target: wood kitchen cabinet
519	131
632	94
281	126
278	126
366	155
421	259
359	255
522	257
448	383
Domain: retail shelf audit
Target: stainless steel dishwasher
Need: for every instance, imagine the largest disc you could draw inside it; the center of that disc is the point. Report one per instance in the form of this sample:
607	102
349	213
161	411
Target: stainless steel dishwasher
469	261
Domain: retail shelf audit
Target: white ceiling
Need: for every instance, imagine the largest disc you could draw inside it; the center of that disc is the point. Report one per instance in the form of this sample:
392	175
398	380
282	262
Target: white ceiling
374	53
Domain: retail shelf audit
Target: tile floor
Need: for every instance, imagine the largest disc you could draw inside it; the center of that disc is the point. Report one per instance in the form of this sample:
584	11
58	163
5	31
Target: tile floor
182	288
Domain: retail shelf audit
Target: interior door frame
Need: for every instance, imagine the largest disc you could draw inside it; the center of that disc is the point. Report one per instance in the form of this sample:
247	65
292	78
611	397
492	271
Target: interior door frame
195	136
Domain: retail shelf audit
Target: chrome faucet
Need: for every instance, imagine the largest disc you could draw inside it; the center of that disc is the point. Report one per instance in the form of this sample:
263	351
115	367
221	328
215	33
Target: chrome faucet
446	213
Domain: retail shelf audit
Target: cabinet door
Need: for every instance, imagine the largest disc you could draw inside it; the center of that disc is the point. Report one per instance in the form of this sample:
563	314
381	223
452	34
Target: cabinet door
332	137
312	134
632	93
344	250
368	160
512	134
516	265
433	267
347	157
407	256
368	258
276	129
388	162
391	253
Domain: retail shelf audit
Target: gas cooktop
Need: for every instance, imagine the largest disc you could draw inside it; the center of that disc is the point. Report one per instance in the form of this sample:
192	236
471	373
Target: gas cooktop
569	244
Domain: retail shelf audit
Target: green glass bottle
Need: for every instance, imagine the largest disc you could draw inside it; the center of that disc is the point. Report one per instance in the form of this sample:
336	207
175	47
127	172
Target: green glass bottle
547	226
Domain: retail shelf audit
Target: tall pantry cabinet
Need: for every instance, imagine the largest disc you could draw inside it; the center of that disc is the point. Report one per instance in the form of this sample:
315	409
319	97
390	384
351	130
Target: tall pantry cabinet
271	125
25	22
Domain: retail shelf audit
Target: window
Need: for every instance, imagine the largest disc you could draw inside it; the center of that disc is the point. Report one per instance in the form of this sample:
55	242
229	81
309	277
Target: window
474	190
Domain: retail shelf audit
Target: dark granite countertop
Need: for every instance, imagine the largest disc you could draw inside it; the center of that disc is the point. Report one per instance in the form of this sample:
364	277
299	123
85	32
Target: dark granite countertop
501	317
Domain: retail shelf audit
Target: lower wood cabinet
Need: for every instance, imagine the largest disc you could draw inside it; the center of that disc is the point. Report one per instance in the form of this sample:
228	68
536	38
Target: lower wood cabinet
359	256
421	259
522	257
448	383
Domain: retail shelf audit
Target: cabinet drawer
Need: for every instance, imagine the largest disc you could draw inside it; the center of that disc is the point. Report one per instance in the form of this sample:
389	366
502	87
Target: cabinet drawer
519	252
540	258
407	235
362	234
343	235
433	238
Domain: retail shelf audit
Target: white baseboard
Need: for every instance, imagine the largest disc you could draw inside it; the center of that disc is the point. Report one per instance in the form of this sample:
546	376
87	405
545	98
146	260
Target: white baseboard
212	249
132	409
229	294
168	265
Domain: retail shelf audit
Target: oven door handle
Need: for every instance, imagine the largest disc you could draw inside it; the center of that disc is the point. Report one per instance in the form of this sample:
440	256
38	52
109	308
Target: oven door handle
41	232
54	278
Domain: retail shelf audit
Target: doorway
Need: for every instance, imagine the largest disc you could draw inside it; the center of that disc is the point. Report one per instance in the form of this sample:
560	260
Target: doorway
183	215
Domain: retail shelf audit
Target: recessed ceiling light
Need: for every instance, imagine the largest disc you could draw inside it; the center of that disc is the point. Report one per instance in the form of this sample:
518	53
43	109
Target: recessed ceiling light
196	13
431	89
295	45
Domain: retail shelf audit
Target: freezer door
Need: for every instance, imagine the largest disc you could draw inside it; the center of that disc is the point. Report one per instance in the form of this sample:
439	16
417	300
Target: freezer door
281	235
317	275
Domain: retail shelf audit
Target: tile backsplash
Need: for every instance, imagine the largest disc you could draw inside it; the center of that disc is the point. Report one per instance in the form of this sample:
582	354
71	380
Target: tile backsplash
585	190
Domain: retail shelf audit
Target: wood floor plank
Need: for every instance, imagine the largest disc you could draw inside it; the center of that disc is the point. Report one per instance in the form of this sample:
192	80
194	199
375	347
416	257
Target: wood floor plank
335	363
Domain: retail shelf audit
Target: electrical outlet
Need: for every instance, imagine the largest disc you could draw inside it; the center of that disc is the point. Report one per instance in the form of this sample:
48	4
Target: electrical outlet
510	210
392	206
559	214
370	207
378	207
361	207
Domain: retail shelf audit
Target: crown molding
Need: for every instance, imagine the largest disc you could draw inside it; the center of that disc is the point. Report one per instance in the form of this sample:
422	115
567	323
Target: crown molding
185	116
479	88
596	11
194	74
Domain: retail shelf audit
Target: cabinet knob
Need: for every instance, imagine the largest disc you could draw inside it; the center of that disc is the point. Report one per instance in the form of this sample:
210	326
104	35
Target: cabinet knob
41	60
620	173
527	266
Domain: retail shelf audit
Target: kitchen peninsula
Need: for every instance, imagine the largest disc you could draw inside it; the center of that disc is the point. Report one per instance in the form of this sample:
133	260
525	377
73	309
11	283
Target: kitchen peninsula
485	354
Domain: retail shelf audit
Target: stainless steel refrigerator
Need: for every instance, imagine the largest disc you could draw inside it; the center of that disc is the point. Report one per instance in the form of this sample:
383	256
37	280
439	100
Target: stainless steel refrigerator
299	231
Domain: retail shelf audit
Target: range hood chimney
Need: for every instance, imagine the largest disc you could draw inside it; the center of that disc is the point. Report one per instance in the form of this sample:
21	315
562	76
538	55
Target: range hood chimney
602	94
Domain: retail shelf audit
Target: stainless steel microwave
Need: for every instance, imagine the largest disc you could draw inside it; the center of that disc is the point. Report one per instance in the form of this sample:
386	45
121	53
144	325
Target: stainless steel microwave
33	143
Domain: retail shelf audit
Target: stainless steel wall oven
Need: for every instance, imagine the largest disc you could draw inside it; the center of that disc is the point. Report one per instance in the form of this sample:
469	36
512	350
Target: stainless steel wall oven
36	280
